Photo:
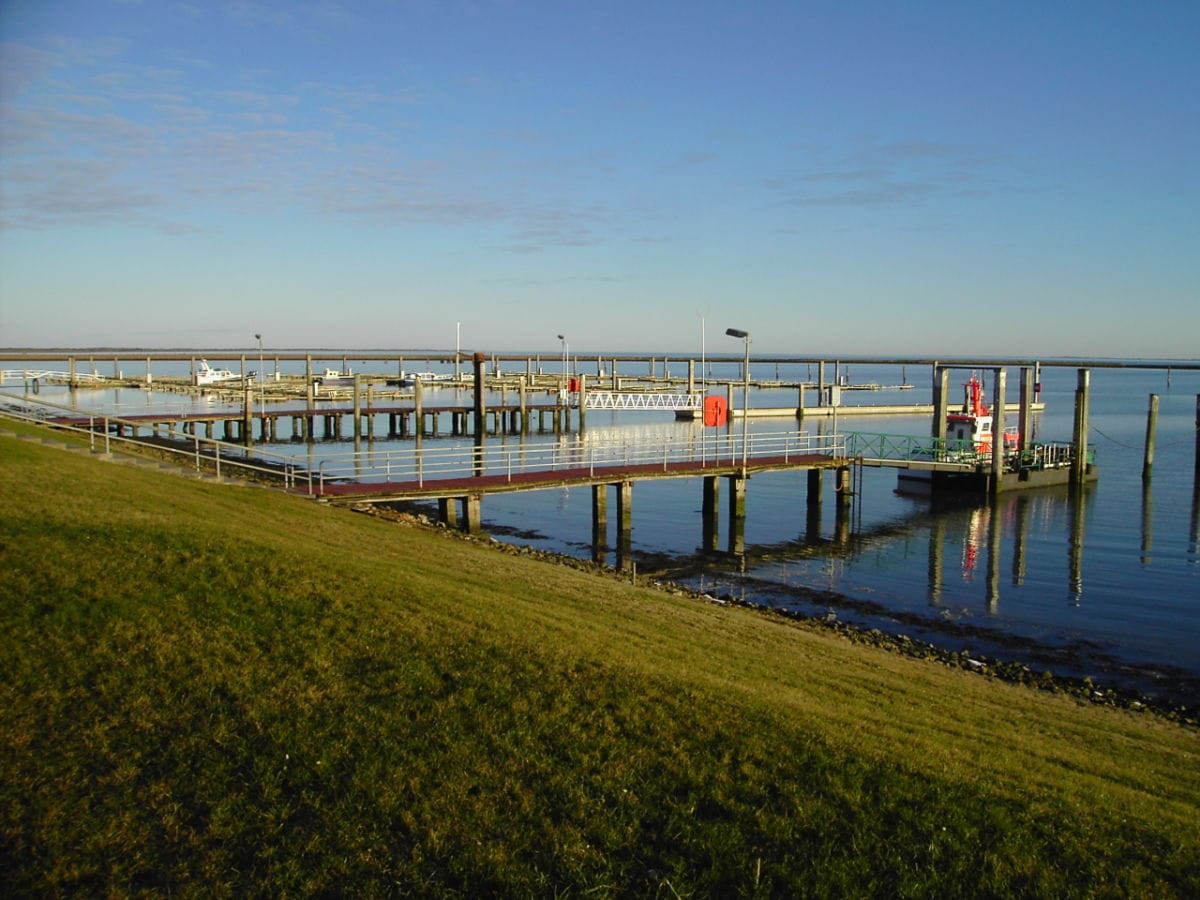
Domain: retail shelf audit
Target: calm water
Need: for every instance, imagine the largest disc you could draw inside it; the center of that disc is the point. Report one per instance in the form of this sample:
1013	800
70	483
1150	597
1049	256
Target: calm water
1106	584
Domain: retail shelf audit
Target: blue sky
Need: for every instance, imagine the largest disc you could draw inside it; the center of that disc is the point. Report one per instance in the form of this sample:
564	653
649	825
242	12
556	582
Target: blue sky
837	178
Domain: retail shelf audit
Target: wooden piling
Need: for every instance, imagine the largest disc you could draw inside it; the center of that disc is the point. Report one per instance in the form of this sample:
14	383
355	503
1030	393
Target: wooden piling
1079	437
941	400
479	361
998	385
1025	410
1151	428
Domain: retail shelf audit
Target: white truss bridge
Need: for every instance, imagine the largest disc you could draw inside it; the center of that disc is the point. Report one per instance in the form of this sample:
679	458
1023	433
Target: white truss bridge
642	400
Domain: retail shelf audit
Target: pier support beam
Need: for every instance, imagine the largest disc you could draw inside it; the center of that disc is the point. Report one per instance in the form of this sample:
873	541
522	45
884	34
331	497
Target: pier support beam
624	524
472	513
599	516
712	492
812	524
448	511
737	514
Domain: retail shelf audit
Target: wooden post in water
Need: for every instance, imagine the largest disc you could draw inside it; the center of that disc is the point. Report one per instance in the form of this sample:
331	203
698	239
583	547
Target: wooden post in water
479	361
357	407
1197	463
1079	438
1000	376
419	408
1151	429
941	400
1025	415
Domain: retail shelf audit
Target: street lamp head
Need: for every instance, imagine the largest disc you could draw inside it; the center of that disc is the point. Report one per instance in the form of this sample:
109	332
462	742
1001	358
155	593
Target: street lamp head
737	333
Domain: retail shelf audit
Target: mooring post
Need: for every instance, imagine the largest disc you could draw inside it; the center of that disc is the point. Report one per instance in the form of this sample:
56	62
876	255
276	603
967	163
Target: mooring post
941	400
1000	376
357	407
1025	414
821	383
1151	428
524	406
1079	439
479	361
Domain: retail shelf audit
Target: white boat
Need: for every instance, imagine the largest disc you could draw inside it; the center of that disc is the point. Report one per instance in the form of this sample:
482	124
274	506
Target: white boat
333	378
206	374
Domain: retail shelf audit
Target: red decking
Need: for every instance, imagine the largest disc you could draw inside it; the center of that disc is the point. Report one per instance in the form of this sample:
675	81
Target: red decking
500	482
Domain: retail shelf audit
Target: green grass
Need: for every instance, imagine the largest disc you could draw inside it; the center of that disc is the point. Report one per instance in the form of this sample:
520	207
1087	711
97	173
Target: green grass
219	690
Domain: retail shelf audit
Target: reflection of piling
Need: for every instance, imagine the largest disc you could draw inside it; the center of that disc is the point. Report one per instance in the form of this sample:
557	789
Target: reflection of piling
1147	520
1075	545
1020	539
1151	427
995	536
937	541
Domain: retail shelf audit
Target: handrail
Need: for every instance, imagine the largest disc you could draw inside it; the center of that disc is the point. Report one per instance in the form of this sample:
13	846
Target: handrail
199	450
430	464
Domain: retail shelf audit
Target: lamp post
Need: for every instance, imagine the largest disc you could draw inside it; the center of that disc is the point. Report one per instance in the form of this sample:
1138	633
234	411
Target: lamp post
745	337
564	374
262	383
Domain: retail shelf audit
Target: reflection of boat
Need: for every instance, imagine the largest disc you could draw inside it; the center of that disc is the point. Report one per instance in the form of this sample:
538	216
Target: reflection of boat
206	374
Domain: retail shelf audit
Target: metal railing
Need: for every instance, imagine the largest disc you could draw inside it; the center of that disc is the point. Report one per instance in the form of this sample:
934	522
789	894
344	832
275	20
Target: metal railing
1039	455
424	466
101	433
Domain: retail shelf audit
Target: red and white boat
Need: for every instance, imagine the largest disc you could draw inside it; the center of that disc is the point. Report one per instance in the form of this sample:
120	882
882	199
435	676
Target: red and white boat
969	430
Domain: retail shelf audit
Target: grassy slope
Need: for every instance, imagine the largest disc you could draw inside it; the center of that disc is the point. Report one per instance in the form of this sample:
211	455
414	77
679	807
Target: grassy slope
222	686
